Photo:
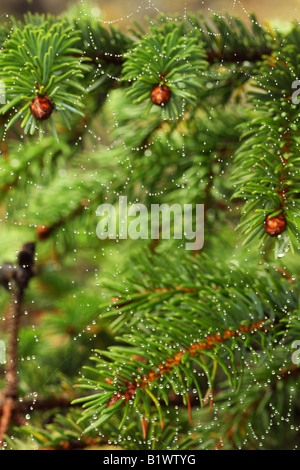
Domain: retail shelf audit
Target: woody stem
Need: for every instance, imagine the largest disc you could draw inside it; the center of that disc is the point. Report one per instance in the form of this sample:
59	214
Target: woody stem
11	376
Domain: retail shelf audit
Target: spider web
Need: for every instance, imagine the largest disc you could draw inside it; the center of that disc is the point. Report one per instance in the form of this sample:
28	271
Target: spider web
145	8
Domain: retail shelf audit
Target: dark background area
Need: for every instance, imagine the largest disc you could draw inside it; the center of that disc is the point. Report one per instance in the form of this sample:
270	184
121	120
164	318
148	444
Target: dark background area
123	10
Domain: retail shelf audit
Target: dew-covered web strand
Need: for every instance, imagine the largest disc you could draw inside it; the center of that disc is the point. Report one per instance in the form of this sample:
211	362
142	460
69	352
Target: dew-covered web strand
224	45
237	246
34	395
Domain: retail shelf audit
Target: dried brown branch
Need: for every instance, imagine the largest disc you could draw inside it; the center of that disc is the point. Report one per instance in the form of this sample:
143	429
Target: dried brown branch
11	376
15	279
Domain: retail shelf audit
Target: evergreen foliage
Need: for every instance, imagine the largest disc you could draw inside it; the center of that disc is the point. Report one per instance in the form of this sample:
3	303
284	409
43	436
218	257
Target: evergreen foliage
139	343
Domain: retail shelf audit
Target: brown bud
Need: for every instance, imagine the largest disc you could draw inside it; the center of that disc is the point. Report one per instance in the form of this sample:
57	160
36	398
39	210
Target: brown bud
160	95
41	107
274	226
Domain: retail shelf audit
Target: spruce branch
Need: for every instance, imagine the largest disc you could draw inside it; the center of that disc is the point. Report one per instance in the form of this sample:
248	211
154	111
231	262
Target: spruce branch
266	164
41	73
166	330
161	347
242	42
171	66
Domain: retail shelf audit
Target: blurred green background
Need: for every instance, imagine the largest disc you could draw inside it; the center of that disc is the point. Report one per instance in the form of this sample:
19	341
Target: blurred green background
272	10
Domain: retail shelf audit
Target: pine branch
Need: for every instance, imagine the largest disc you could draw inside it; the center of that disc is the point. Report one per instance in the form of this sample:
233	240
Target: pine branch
166	69
41	73
266	164
162	345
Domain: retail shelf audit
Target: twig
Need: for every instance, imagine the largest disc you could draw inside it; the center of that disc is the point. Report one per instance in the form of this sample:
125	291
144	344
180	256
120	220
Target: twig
15	279
27	404
11	377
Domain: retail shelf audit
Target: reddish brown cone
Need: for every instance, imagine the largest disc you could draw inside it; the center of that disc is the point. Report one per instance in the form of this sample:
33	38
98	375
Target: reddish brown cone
274	226
161	95
41	107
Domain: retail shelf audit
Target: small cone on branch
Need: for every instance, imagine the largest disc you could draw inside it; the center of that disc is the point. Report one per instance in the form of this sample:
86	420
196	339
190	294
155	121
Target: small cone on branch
274	226
160	95
41	107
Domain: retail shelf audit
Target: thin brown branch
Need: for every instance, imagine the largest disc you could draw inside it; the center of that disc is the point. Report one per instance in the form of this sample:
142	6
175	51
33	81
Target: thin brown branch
11	376
16	282
28	404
